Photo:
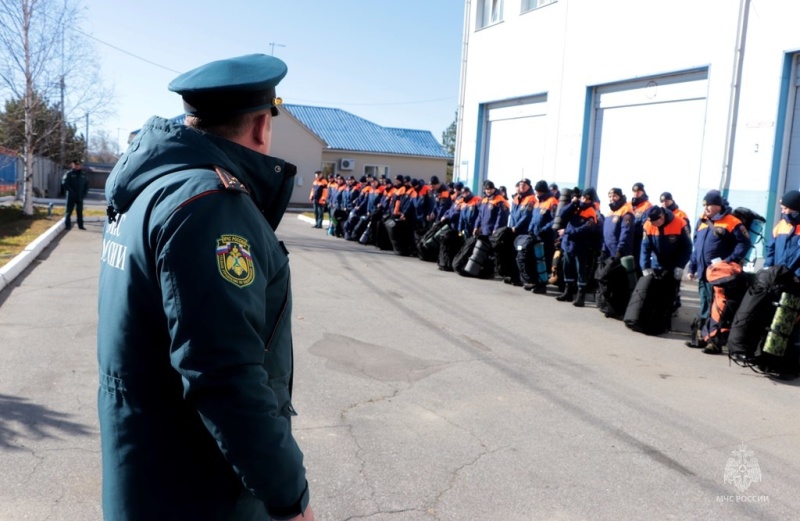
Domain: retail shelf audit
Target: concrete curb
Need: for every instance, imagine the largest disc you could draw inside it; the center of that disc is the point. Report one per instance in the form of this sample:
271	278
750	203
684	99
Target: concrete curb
18	264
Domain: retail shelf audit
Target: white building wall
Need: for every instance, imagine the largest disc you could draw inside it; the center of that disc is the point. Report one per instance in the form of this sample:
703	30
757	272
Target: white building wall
292	142
567	48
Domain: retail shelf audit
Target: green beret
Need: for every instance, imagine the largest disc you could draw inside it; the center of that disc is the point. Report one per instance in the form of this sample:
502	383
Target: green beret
231	87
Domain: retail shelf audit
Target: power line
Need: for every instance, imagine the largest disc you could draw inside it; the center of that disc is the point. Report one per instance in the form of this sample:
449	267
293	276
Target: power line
128	53
335	103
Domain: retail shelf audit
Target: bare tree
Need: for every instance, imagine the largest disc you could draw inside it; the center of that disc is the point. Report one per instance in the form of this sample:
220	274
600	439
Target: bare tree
103	148
44	59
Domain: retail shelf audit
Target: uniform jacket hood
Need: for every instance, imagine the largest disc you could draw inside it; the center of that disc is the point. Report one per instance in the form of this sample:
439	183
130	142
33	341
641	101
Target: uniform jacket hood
163	147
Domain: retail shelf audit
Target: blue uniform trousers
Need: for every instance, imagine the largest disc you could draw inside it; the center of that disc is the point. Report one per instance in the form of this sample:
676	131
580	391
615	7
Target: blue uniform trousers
576	268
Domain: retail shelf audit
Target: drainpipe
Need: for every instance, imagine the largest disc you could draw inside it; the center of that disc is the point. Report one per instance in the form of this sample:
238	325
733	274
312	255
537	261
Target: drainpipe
462	86
733	107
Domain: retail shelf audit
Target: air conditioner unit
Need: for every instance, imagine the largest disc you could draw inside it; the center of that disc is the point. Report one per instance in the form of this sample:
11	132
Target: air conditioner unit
346	164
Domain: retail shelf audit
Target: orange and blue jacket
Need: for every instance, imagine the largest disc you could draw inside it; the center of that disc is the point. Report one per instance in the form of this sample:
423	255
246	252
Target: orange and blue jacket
492	214
784	248
335	195
680	214
405	203
725	238
319	191
522	206
542	219
425	201
581	230
442	204
666	247
468	213
387	202
618	227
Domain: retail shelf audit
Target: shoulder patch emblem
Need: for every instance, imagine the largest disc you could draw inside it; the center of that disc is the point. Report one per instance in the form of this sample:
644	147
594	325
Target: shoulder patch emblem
234	261
744	231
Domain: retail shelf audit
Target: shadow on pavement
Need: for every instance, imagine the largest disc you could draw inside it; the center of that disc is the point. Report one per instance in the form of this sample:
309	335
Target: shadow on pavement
20	419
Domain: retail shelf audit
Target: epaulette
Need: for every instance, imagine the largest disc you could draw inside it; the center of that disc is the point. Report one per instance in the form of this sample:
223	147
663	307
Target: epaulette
229	182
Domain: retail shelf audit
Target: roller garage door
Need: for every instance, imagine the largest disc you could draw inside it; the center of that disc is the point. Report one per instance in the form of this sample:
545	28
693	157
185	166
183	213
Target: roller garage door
792	181
514	141
651	131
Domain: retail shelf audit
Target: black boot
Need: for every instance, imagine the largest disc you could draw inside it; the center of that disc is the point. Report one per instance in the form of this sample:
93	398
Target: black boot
580	298
569	293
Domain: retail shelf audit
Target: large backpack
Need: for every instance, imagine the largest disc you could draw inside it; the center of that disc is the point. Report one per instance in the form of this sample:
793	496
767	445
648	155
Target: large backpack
649	310
784	362
449	245
475	259
354	227
773	343
613	288
729	285
339	217
754	316
755	228
401	236
502	242
428	244
460	259
382	240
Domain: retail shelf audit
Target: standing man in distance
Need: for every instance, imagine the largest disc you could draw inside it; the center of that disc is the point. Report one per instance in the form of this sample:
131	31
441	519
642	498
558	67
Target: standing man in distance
319	197
76	186
194	332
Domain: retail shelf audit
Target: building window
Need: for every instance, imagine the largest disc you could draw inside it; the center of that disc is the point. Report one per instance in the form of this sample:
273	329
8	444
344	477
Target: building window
489	12
328	169
376	170
528	5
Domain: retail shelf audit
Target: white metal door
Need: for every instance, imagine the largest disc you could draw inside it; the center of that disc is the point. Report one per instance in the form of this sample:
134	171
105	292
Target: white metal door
793	161
515	142
651	132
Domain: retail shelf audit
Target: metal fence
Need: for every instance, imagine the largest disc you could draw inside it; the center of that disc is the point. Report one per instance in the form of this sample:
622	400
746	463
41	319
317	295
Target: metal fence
46	175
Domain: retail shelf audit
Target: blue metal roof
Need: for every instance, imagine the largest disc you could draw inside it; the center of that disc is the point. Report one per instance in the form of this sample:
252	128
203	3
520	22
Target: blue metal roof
341	130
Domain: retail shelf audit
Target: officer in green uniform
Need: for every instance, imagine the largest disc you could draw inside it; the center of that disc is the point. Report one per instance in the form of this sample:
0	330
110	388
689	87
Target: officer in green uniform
76	186
194	334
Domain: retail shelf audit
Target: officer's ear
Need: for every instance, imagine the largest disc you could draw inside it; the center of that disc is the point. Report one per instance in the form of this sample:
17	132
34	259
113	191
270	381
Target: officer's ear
261	131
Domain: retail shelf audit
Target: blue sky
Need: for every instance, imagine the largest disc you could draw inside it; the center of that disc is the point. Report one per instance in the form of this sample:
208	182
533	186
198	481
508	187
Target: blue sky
395	63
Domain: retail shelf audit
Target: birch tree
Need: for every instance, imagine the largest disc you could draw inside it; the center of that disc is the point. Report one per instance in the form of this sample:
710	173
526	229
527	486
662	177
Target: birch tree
46	60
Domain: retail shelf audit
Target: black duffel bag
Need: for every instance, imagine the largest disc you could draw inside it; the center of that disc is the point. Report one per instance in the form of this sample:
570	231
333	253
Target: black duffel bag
428	244
613	288
649	310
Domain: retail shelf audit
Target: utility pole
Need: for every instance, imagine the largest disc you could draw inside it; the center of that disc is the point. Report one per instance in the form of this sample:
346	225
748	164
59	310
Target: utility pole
272	46
62	130
86	140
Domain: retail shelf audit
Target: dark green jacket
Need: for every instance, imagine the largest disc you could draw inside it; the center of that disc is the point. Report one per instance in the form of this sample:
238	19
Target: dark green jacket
75	184
194	336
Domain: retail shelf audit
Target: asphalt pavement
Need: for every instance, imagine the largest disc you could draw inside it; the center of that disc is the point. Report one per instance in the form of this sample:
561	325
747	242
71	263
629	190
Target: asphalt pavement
423	395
